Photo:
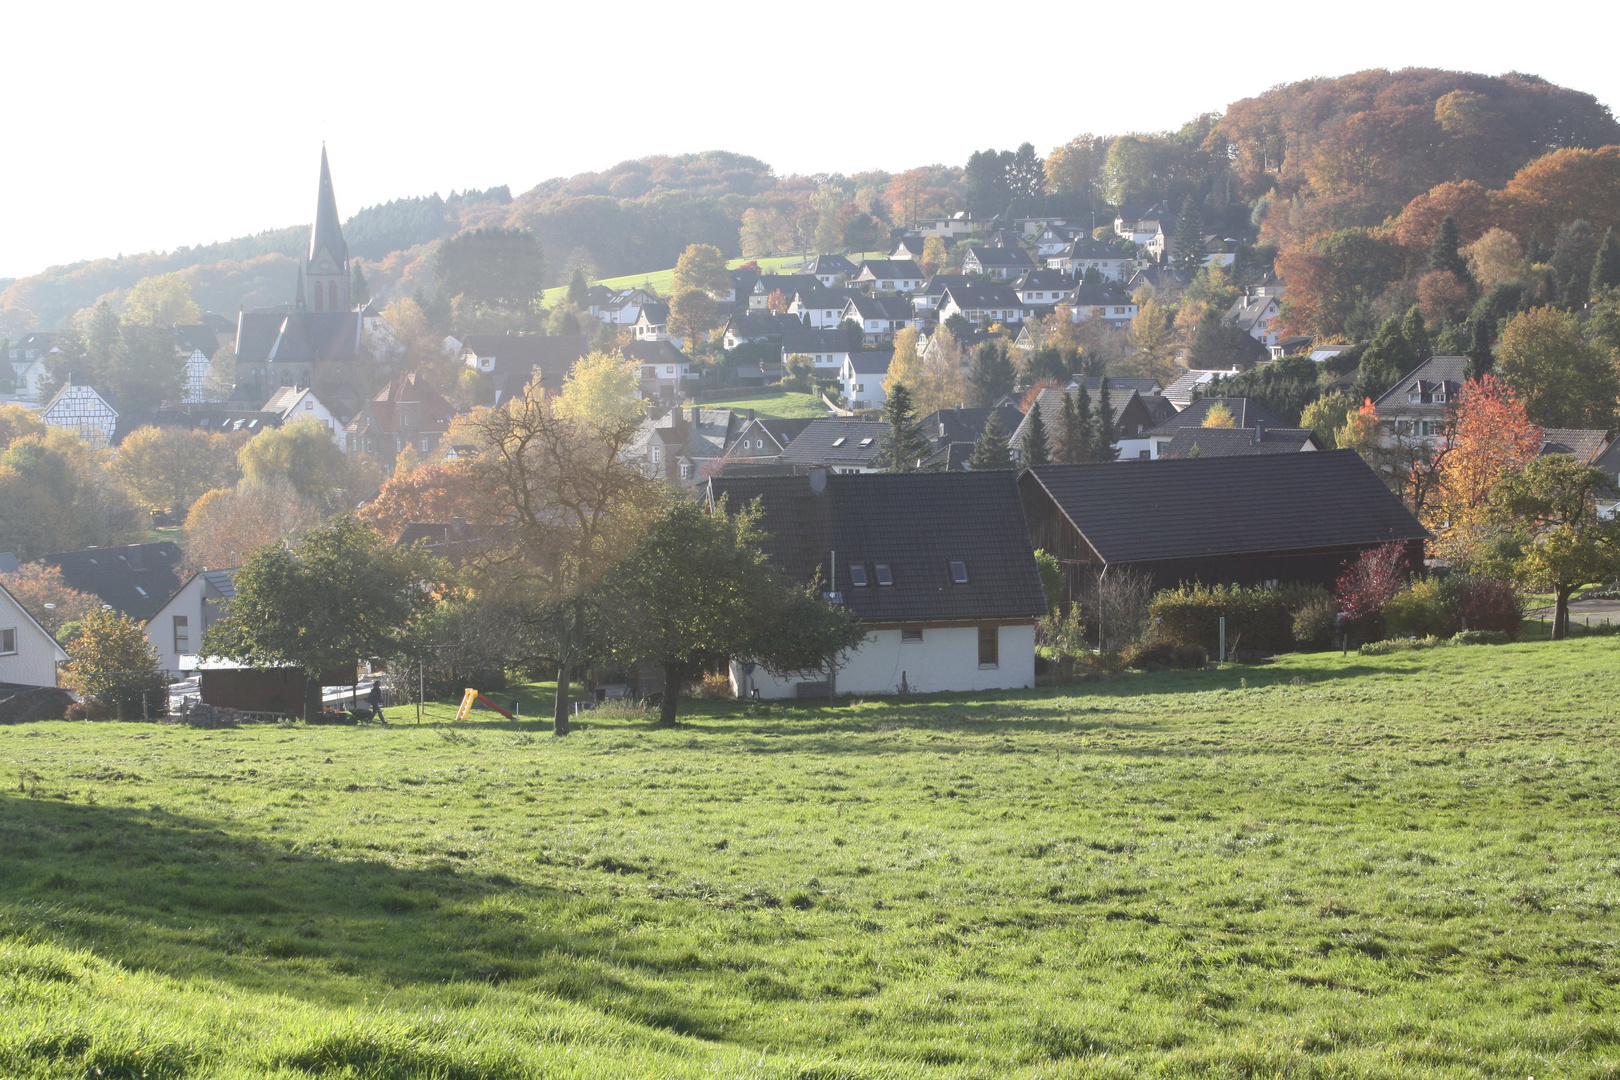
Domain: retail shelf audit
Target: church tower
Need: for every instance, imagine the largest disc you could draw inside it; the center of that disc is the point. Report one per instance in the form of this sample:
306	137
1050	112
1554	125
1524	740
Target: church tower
324	285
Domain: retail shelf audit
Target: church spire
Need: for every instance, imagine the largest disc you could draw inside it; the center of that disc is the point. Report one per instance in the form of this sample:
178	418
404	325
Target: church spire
327	231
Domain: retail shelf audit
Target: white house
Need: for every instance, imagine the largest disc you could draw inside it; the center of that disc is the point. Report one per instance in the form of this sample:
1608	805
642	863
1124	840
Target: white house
981	304
825	348
997	263
861	378
1107	302
1256	311
936	567
294	403
884	277
819	308
28	655
176	630
1084	253
879	317
1038	288
79	409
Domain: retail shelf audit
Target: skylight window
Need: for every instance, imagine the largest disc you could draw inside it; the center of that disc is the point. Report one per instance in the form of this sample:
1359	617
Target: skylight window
885	575
959	572
140	590
857	575
866	441
840	440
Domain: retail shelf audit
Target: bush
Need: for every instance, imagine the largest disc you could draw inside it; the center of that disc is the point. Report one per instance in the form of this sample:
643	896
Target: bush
1395	645
1482	603
1261	619
1419	611
1480	637
1315	624
714	686
1153	655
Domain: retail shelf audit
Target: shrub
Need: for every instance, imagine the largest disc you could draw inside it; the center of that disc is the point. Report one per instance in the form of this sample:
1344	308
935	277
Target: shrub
1315	624
1480	637
1151	655
1190	657
1419	611
1371	581
1395	645
1263	619
714	686
1482	603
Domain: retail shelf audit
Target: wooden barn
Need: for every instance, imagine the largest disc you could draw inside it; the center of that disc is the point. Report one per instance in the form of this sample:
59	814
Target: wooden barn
1249	520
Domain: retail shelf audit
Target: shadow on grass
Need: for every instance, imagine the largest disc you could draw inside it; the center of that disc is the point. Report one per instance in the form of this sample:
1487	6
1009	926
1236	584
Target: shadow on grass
178	895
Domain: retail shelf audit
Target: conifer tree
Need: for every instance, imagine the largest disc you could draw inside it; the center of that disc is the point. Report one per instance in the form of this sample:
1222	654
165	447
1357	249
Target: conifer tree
1444	253
579	292
1388	357
1481	361
1606	265
1417	336
359	288
1036	450
1189	237
991	451
990	376
1102	448
1074	432
904	446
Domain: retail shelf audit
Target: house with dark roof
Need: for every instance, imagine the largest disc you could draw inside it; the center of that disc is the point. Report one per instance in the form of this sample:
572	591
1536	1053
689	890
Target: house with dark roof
214	419
1083	253
134	580
997	263
662	369
911	247
831	270
28	653
197	343
1248	520
77	407
1245	413
761	439
291	404
827	349
820	308
407	412
1233	442
959	425
787	284
936	567
1256	312
684	445
1416	407
755	327
879	317
1107	302
653	322
839	444
982	305
1131	417
1585	445
926	299
176	629
861	378
885	277
513	360
1043	288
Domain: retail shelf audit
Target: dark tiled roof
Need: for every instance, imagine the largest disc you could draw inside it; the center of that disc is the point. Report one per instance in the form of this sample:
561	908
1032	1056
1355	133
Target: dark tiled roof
815	445
936	285
871	361
891	270
1143	511
786	284
654	313
891	308
1129	412
783	429
980	297
1002	256
1100	296
135	580
654	352
1044	279
823	299
1084	247
9	563
1236	442
1118	384
1446	373
831	264
918	524
966	425
1246	412
799	338
1580	443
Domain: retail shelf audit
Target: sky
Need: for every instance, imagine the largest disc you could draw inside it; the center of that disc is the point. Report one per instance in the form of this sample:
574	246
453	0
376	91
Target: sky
146	127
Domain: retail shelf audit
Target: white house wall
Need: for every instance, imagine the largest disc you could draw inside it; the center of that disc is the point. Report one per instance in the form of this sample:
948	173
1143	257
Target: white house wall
34	662
947	659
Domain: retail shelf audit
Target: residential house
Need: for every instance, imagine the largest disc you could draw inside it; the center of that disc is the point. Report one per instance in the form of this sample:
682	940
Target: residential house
1162	244
653	323
1139	224
832	271
197	343
1083	253
624	308
28	654
820	308
909	247
1130	417
1256	311
761	439
290	404
827	349
1235	442
1044	288
684	445
945	427
134	580
407	412
1160	278
1189	384
936	567
997	263
1038	226
176	630
1416	406
662	370
742	284
926	299
954	226
1262	519
1152	394
79	409
879	317
982	305
1107	302
1246	414
844	446
751	326
28	356
514	360
861	378
787	284
885	277
1585	445
214	418
1054	240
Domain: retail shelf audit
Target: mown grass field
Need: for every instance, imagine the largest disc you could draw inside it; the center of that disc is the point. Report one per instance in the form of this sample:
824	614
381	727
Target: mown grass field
784	403
664	280
1402	866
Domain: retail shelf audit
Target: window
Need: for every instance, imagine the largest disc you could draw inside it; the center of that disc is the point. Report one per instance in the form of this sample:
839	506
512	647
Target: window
424	444
840	440
8	641
182	634
655	455
959	572
885	575
1414	399
857	575
308	404
866	441
911	637
686	470
140	590
989	647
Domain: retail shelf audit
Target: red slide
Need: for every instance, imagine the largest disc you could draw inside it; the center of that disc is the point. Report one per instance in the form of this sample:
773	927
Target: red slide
482	700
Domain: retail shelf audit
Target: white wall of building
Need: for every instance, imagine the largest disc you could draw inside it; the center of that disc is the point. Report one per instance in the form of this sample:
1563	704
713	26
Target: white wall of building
947	659
30	655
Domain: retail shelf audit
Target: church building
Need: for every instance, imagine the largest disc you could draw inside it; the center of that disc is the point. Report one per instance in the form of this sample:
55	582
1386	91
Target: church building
317	342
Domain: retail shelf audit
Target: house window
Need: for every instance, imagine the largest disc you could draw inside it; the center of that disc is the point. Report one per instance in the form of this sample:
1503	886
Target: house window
424	444
865	442
989	647
308	404
857	575
885	574
686	471
959	572
655	455
911	637
840	440
182	634
8	641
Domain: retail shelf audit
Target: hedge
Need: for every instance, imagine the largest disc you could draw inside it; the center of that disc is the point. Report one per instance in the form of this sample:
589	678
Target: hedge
1258	619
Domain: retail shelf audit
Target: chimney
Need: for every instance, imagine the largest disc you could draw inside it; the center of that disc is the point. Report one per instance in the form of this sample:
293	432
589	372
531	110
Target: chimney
818	481
1259	432
750	416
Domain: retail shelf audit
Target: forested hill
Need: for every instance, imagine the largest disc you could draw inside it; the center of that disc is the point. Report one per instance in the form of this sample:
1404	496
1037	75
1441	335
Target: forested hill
1375	159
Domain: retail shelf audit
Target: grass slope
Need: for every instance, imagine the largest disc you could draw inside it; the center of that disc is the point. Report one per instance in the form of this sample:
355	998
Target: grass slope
784	403
664	280
1405	866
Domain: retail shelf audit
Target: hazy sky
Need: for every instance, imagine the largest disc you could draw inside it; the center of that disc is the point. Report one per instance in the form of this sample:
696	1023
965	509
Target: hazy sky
140	127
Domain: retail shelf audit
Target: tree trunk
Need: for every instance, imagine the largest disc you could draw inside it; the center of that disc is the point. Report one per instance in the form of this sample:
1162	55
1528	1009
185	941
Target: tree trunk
1560	626
672	695
559	714
312	697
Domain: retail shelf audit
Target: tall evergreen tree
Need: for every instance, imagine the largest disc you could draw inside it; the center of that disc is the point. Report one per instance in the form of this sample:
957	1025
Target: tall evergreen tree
1605	265
359	287
991	451
1386	359
1417	336
1102	430
990	376
1444	253
1036	449
1188	248
1572	260
1481	360
1074	432
579	291
904	446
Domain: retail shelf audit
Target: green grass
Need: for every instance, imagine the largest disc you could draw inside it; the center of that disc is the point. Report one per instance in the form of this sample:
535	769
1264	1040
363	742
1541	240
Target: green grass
784	403
1402	866
664	280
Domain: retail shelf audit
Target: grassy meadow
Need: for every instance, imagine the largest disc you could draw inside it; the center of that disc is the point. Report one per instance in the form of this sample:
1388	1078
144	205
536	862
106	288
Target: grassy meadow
1398	866
783	403
663	281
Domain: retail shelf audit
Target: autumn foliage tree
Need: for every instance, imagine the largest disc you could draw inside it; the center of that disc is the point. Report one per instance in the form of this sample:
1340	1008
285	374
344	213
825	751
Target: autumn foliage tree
431	493
1490	438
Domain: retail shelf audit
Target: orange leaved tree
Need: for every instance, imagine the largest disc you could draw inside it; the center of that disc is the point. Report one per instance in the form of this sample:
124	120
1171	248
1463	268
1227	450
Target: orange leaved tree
1491	437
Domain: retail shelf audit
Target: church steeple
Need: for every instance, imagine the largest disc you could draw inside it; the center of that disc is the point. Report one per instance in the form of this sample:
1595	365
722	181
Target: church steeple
326	269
